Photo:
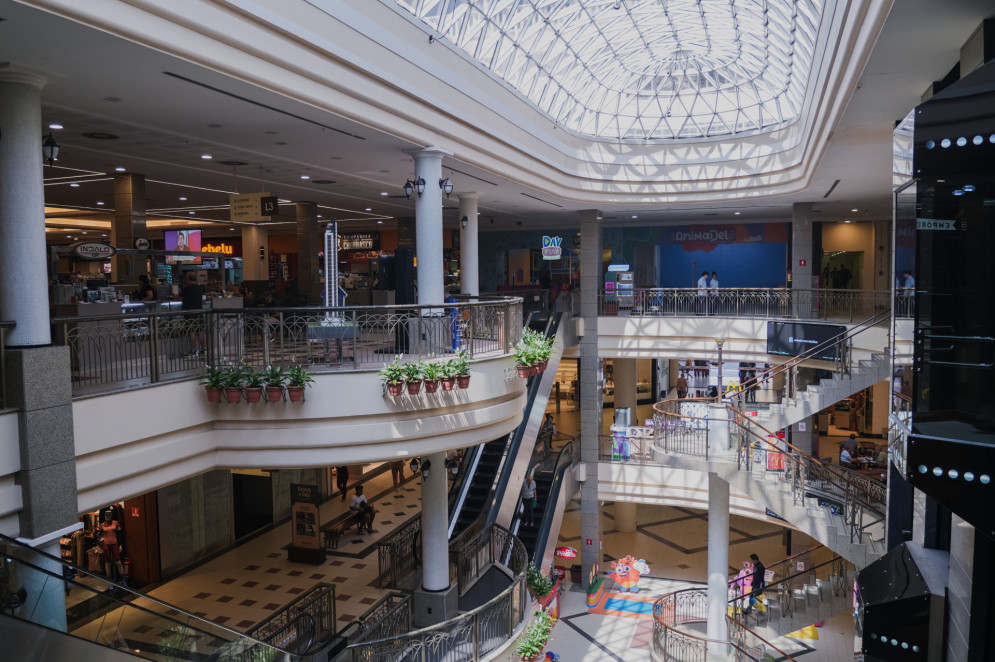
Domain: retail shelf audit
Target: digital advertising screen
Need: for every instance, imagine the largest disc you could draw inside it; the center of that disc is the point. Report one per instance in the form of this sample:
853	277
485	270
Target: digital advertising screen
182	240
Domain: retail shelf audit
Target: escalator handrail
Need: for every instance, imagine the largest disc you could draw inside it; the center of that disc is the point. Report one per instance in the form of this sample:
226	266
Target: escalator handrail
119	589
566	459
511	451
468	470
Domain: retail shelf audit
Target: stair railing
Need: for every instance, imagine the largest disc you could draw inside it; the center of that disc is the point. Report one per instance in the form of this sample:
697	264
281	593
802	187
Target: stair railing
840	346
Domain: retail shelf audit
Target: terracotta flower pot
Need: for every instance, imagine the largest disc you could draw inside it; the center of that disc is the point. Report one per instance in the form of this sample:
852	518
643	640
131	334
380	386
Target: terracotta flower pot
463	381
395	388
274	393
534	369
213	393
414	387
295	393
524	370
448	383
431	385
253	393
233	393
543	364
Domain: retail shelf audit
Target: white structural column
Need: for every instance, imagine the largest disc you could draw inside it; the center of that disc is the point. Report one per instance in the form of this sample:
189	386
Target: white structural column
624	375
255	252
718	564
428	225
23	265
468	250
435	525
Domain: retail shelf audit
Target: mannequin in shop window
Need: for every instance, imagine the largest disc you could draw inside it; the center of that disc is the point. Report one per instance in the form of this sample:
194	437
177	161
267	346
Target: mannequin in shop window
112	552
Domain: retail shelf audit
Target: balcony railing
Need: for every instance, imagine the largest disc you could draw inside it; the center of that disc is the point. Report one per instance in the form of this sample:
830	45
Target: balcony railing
774	303
123	351
470	636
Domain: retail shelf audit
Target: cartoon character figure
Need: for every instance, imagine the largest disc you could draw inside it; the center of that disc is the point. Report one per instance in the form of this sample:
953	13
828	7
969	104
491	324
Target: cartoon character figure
626	572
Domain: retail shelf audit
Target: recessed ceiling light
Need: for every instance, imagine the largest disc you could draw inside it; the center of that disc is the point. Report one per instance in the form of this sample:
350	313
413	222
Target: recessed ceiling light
379	222
232	229
100	203
206	156
183	197
103	235
736	213
305	176
119	169
56	126
82	232
854	209
634	216
369	209
74	185
192	213
848	221
383	193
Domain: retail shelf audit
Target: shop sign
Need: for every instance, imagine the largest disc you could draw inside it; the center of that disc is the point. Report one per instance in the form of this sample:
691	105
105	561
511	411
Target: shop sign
304	500
359	241
551	249
221	247
91	250
935	224
618	267
252	207
142	244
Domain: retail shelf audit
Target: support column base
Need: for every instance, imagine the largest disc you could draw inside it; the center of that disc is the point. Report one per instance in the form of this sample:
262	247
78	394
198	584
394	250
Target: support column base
434	607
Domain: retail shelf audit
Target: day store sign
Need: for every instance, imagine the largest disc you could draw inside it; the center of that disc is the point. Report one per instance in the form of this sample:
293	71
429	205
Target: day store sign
551	249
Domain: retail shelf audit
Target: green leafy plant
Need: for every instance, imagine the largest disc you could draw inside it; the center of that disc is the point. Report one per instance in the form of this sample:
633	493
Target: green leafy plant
273	375
232	376
534	638
213	376
393	372
252	378
524	353
298	377
433	370
594	586
412	371
461	362
540	583
448	368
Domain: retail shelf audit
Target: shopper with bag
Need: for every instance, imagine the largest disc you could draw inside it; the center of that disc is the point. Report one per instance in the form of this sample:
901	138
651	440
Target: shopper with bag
757	583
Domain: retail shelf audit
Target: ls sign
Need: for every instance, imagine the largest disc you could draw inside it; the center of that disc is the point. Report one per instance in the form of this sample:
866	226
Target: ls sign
551	249
91	250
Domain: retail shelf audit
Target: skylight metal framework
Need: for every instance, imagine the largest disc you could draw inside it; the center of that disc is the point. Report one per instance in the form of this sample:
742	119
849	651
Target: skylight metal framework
650	69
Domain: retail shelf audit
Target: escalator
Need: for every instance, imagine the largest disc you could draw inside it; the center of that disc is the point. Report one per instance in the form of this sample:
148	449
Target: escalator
118	623
529	535
552	494
488	467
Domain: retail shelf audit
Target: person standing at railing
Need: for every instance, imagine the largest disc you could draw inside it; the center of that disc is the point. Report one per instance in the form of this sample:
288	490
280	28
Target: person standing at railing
703	293
713	292
906	292
192	296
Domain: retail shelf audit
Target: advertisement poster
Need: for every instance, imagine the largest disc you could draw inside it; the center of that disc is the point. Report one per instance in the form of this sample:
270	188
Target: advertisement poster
304	501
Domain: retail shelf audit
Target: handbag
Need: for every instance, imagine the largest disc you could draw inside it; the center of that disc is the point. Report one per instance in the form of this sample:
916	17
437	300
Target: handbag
535	502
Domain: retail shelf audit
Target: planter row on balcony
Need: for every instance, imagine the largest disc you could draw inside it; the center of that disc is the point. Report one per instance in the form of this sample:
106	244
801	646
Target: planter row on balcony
254	393
447	373
532	353
431	385
234	381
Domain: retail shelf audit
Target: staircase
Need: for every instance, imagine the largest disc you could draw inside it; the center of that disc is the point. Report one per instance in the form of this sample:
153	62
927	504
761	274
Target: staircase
816	397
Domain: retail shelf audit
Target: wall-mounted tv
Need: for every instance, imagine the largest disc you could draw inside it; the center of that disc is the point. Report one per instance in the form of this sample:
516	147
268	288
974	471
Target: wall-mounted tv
182	240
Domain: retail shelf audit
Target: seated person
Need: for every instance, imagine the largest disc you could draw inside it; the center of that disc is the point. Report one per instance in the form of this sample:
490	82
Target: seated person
882	457
845	458
363	510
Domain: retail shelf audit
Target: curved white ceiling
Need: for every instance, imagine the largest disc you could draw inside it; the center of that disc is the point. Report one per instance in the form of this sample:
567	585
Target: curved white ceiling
642	69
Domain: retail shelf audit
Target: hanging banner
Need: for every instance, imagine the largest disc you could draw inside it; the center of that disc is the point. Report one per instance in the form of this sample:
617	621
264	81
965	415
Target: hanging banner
304	500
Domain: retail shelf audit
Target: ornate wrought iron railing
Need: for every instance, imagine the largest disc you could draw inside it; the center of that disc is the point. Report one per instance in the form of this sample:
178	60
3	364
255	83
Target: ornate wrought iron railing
123	351
389	618
399	553
772	303
476	633
302	625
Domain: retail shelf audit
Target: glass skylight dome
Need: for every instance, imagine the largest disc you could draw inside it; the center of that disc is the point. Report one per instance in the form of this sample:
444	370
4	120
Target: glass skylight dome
641	69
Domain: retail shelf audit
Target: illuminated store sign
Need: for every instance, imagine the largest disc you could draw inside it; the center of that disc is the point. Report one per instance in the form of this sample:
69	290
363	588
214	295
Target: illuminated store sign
551	249
220	247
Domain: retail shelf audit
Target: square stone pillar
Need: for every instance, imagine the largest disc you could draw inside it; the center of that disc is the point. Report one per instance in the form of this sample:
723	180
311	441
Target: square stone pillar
308	247
127	225
590	377
801	259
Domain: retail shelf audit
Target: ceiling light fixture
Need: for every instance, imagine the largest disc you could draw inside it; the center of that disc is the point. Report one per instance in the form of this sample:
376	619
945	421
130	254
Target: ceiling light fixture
206	157
379	222
183	198
736	213
446	185
119	169
49	149
56	126
99	202
74	185
305	176
384	193
369	209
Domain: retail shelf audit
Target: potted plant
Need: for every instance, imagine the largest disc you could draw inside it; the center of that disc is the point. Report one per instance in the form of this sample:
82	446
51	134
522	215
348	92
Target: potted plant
539	584
393	376
412	375
595	587
231	382
213	381
297	380
448	377
253	380
523	358
461	364
534	639
275	379
432	373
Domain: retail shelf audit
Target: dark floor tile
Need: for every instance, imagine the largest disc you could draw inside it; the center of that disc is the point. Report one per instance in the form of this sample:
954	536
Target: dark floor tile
295	573
225	598
201	596
228	580
271	606
252	567
247	603
250	584
272	587
241	625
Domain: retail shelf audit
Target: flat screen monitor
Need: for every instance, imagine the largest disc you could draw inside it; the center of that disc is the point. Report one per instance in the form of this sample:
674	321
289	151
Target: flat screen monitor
182	240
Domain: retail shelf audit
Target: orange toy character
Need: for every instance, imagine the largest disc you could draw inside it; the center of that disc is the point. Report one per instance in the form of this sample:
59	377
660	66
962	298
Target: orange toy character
626	572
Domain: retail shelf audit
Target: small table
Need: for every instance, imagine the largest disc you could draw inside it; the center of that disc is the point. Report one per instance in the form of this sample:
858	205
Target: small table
334	332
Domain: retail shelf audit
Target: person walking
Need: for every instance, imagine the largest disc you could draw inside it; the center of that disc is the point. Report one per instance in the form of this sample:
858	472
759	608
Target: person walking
529	500
397	472
342	479
757	582
546	433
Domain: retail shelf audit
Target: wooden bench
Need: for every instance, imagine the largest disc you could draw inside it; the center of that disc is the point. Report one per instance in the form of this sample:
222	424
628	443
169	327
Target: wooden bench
334	533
